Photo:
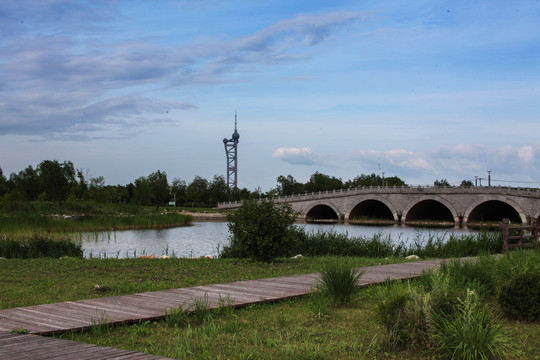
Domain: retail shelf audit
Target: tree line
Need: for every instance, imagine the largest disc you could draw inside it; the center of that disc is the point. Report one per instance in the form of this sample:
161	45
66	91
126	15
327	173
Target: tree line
52	180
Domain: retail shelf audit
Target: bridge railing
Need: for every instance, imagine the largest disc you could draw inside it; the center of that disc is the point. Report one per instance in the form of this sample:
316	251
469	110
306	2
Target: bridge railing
533	192
523	233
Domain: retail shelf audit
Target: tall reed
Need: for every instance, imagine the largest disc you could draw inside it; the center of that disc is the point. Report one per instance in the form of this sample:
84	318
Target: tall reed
472	333
24	223
39	246
332	243
339	280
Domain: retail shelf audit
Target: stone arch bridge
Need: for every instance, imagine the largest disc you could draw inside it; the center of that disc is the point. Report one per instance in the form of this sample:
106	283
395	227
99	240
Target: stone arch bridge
413	205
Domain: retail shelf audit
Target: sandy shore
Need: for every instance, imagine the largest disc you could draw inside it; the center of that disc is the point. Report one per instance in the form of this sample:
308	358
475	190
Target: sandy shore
206	216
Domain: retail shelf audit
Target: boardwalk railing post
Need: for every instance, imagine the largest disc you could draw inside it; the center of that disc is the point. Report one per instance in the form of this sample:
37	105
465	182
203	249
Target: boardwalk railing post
505	233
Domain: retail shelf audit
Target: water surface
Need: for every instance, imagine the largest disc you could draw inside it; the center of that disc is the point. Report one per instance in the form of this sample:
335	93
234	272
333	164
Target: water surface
207	238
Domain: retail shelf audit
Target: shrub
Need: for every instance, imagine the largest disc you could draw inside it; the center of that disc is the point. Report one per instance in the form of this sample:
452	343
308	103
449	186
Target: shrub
471	334
520	296
479	274
443	293
261	230
339	280
518	262
402	310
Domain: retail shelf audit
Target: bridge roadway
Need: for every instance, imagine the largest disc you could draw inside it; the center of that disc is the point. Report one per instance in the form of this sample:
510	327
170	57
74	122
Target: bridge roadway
458	205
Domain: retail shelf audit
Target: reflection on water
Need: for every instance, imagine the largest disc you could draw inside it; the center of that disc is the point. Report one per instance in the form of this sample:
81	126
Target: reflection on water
206	238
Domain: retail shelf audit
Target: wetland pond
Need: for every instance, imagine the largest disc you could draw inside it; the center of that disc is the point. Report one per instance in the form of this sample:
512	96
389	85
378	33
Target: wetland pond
207	238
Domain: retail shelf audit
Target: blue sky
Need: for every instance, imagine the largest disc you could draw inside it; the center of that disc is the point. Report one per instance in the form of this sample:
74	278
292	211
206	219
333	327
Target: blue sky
427	89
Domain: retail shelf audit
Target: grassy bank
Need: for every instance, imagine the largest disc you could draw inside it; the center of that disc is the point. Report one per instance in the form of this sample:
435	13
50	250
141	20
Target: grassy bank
21	218
304	328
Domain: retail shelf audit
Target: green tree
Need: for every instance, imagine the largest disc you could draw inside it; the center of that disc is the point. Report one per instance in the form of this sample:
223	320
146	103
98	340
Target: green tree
218	190
96	189
159	188
441	183
82	186
287	185
466	183
141	191
178	190
374	180
364	181
3	183
26	184
261	230
57	179
240	194
394	181
129	192
197	191
321	182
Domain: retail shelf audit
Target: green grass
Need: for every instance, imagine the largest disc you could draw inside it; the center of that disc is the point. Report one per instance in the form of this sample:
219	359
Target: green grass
25	282
292	329
283	330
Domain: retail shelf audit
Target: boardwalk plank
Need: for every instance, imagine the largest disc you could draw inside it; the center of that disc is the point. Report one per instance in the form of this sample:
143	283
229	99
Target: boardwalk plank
26	347
253	293
19	319
53	316
241	297
151	303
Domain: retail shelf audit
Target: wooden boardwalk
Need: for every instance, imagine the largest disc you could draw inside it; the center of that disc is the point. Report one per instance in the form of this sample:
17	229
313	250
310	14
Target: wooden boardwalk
74	315
25	346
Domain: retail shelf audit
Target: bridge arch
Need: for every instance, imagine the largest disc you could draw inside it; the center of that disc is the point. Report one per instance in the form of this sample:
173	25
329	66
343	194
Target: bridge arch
495	209
375	207
322	211
431	207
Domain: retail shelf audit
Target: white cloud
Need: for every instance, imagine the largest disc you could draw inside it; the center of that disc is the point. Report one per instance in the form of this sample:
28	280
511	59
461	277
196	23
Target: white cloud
297	156
526	154
455	163
56	77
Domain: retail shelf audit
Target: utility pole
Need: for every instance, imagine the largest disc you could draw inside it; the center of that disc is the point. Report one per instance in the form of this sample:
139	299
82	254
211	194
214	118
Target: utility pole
489	177
476	181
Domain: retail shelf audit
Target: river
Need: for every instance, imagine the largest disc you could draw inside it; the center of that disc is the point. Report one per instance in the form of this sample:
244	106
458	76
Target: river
206	238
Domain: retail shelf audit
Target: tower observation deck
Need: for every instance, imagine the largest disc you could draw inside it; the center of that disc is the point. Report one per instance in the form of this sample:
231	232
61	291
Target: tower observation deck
231	150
